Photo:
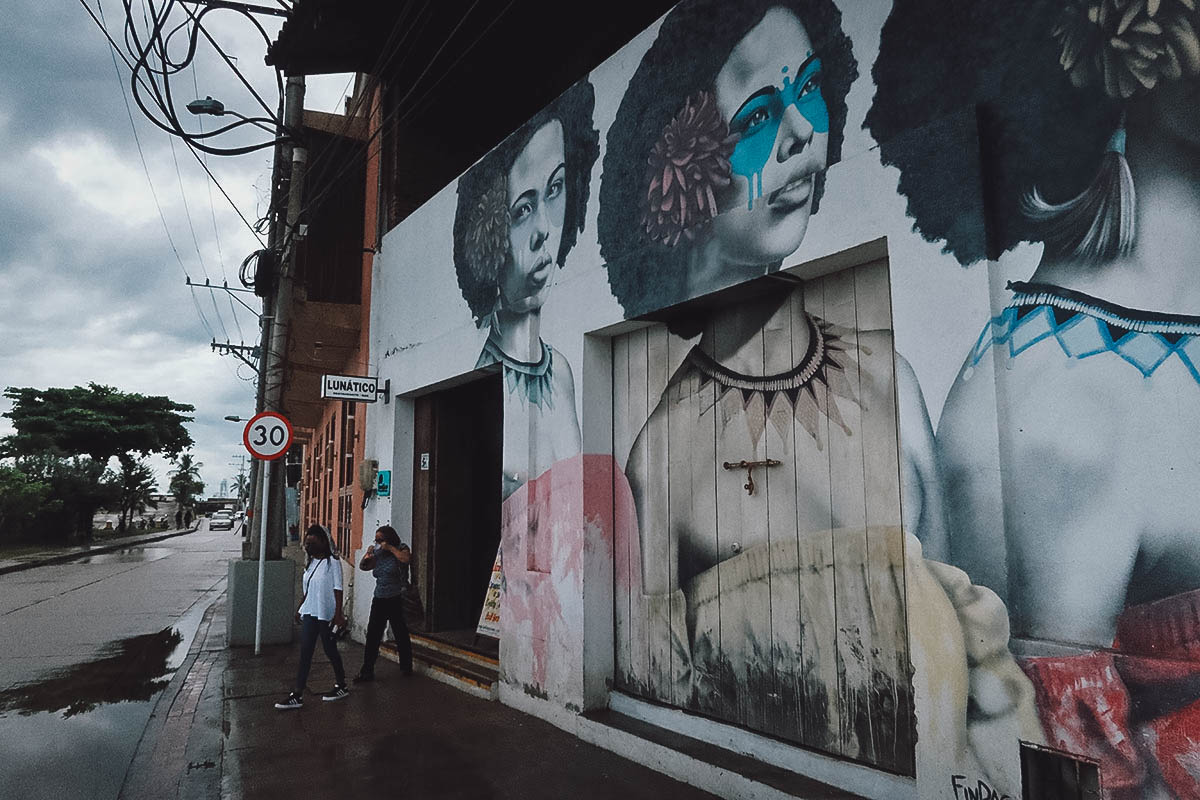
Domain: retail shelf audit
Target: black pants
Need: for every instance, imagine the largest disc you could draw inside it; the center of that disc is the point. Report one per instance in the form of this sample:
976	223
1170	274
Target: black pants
383	611
310	629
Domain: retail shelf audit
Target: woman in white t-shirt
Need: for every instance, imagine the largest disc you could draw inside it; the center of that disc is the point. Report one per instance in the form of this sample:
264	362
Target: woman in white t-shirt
322	604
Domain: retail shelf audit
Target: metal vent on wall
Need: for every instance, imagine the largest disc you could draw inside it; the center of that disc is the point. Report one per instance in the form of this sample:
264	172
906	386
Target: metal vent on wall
1053	775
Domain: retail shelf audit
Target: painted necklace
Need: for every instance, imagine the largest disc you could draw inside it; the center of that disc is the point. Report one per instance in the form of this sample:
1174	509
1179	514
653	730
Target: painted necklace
532	381
804	393
1085	326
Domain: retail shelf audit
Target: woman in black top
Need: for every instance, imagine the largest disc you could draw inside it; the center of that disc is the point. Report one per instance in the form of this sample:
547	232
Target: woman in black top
388	560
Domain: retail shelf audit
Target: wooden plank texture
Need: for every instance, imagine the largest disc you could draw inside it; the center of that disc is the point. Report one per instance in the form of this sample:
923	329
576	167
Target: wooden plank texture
779	485
622	579
890	693
848	502
682	405
639	654
819	698
656	537
780	610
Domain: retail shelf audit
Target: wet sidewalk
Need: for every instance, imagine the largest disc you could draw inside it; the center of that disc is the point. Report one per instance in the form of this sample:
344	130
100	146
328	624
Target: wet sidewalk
216	734
62	555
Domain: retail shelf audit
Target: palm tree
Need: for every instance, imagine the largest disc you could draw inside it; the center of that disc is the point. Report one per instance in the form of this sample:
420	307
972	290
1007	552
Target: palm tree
185	481
137	486
241	485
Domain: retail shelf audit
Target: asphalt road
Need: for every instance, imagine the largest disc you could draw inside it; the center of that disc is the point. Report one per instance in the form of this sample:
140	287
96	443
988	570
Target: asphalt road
86	648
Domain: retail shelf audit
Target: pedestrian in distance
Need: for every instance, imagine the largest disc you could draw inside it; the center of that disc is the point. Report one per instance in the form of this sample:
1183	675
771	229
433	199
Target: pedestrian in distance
179	518
388	561
319	615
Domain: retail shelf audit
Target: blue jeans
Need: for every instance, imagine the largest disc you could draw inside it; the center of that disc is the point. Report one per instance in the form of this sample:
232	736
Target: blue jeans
310	629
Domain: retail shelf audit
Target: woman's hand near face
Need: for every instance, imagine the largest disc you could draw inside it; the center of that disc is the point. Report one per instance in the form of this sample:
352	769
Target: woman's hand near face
367	562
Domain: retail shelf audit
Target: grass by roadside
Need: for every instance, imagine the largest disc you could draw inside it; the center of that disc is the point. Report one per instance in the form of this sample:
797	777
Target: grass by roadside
13	551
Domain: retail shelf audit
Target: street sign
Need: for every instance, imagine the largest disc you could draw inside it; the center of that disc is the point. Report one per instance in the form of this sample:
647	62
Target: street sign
350	387
267	435
383	483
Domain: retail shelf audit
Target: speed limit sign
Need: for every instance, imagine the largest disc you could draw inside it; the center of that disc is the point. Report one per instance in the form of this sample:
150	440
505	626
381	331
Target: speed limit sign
267	435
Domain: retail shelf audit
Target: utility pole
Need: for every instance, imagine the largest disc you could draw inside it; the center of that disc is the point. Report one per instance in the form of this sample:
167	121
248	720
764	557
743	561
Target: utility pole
241	482
276	320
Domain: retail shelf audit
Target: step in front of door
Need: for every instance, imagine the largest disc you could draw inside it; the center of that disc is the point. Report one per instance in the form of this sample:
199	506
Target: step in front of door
462	669
712	767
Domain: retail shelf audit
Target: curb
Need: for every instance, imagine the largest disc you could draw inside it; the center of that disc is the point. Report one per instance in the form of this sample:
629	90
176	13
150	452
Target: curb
63	558
162	764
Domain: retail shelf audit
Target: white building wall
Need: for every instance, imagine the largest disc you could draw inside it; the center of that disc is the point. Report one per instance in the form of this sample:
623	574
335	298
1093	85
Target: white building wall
973	702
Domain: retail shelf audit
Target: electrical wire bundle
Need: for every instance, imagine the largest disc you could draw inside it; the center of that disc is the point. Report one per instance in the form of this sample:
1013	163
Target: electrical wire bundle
149	47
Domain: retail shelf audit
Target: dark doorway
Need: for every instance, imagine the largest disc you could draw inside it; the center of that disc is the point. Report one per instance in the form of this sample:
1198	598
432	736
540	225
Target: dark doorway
456	502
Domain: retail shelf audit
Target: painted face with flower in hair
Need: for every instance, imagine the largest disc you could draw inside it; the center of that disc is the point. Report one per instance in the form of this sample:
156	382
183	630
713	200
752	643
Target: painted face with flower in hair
746	155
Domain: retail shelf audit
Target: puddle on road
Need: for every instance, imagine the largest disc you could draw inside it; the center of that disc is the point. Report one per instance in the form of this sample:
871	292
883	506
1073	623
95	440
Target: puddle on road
89	713
131	555
130	669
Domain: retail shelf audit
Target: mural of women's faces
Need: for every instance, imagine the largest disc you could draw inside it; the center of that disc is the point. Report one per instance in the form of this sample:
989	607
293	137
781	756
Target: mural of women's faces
519	212
781	125
536	205
716	158
1083	392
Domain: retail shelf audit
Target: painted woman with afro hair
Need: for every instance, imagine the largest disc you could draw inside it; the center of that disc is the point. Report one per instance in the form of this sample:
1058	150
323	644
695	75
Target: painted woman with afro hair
1069	440
520	210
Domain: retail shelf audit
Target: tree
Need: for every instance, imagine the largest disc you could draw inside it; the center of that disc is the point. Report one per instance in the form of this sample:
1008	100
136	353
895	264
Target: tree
78	486
241	485
137	485
22	498
185	481
98	422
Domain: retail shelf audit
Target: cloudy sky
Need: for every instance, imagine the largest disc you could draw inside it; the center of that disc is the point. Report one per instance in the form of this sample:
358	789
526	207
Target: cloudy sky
92	282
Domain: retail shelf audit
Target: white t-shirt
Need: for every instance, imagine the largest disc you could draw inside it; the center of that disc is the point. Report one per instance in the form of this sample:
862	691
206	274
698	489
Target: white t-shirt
321	577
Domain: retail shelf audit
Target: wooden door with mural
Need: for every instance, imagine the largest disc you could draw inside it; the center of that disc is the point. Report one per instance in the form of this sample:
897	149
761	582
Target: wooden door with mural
764	584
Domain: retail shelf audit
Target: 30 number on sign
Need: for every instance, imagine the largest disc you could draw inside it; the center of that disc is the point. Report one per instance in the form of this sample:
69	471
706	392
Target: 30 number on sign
267	436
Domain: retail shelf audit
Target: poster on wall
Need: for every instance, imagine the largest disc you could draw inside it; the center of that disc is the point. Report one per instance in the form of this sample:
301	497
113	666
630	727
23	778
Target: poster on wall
489	617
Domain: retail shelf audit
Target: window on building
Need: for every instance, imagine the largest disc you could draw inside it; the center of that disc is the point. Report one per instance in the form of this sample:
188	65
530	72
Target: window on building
1052	775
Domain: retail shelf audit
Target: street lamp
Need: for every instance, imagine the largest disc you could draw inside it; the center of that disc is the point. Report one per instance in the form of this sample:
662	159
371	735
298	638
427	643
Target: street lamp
215	108
207	106
233	418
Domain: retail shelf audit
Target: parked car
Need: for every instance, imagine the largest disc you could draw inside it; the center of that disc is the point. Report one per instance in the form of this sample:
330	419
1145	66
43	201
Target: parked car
221	521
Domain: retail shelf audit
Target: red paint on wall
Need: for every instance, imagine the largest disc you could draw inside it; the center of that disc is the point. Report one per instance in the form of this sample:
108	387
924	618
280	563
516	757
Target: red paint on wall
1136	708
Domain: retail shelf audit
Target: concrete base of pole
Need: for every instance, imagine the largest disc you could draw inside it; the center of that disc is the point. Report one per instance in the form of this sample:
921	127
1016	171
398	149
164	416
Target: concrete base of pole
279	601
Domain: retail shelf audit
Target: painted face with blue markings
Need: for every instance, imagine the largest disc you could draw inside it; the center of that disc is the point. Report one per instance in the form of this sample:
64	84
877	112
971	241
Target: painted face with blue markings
770	92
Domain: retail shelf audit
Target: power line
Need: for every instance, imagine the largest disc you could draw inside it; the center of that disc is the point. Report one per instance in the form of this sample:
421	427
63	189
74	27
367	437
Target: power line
394	119
145	75
221	188
145	168
195	240
116	51
216	233
328	162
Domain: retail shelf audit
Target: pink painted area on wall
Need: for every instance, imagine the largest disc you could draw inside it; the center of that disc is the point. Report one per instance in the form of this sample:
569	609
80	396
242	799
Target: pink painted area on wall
564	512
